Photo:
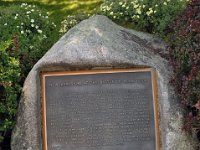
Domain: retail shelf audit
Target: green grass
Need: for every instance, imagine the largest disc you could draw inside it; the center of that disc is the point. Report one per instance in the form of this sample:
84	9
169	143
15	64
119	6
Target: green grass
59	9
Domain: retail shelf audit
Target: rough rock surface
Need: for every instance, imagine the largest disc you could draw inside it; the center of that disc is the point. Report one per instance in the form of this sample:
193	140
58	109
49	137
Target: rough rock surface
98	42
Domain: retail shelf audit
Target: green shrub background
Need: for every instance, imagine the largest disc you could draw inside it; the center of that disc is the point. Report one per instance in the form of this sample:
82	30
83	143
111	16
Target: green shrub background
9	85
35	31
151	16
26	33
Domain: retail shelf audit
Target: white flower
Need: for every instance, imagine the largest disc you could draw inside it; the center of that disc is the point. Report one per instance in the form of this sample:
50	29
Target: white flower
28	12
32	10
17	26
133	17
22	23
138	11
120	3
40	14
143	6
5	24
39	31
53	24
28	31
156	5
15	17
149	12
111	13
32	20
31	47
44	36
32	25
36	27
46	17
22	32
136	6
108	8
165	3
150	9
23	4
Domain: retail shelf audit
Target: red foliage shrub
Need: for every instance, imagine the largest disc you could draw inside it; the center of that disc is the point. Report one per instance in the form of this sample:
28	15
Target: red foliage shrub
184	47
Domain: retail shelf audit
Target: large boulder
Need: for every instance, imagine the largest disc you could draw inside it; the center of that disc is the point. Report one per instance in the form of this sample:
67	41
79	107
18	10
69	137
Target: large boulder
99	43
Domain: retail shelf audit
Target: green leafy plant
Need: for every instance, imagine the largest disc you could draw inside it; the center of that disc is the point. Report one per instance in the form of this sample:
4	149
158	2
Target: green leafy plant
9	85
26	33
150	16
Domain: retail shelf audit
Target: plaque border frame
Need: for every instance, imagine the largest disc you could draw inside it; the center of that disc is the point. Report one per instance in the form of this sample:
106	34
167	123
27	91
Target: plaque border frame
82	72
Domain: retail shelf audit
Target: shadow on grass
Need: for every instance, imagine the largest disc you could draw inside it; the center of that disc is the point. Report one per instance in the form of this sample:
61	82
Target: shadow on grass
67	6
59	9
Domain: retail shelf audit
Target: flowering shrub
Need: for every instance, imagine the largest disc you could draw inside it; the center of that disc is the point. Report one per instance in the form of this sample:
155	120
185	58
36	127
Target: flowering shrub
71	20
184	48
26	33
34	29
151	16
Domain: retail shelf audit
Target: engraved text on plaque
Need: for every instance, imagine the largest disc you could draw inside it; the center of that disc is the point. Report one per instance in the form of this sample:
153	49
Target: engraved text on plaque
99	111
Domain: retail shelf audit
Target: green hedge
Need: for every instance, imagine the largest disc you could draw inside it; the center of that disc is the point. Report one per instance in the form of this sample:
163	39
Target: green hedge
9	85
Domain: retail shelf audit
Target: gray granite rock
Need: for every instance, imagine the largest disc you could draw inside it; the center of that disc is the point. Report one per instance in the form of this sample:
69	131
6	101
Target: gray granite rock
99	43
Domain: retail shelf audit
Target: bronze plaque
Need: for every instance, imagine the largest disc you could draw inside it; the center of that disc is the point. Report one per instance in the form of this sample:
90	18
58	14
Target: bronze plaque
100	110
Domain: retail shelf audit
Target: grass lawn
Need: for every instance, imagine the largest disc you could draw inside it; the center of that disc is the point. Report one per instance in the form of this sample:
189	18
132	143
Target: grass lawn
61	8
